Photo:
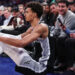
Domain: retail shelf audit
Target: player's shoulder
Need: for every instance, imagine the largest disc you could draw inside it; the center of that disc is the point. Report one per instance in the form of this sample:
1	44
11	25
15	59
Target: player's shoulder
44	25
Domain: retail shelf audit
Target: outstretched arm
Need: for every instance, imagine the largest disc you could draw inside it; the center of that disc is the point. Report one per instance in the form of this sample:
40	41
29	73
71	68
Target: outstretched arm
25	39
20	42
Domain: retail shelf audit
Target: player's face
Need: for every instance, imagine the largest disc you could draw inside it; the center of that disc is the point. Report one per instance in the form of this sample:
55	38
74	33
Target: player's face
29	14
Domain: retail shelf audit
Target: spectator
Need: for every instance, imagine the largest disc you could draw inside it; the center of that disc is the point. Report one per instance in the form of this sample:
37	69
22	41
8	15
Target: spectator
17	17
72	7
7	15
54	13
45	17
21	10
53	16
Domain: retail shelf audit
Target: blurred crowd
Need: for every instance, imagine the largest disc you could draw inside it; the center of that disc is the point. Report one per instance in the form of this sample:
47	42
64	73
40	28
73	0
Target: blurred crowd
59	15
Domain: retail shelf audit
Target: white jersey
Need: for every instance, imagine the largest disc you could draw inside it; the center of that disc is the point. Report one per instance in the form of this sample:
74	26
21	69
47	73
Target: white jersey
45	50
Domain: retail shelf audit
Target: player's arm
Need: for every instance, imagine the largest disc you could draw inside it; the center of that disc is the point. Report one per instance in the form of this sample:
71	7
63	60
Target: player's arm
25	40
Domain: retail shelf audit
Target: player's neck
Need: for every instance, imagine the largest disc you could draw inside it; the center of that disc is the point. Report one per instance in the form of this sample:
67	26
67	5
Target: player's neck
35	22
